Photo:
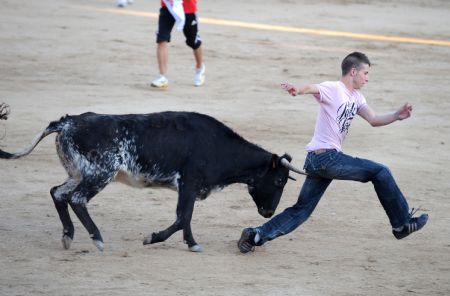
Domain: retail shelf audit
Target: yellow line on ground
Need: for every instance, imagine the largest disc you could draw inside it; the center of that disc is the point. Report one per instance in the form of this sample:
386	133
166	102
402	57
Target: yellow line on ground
321	32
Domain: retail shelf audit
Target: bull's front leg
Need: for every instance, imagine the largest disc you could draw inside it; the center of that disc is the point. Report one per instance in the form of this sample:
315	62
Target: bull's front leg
185	208
157	237
189	239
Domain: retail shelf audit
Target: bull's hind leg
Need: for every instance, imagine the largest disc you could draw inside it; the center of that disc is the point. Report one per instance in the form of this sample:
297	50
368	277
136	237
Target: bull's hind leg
60	195
84	192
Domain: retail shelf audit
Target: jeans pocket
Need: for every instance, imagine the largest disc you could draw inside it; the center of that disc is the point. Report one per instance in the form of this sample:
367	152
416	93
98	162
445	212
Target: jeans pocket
324	164
324	160
308	166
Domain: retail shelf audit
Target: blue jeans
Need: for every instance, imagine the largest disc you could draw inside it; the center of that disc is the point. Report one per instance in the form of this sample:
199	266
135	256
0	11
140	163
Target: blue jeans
322	169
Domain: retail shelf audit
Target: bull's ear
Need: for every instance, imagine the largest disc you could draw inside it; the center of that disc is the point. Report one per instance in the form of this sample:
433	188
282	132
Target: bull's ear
287	156
275	161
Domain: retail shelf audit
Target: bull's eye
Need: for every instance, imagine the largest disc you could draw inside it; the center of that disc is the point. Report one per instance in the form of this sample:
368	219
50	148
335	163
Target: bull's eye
279	182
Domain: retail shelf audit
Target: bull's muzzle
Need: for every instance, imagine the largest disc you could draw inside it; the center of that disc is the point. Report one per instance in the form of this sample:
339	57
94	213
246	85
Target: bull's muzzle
266	213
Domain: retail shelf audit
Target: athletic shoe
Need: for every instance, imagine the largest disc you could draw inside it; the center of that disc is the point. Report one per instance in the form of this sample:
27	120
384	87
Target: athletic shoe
123	3
413	225
200	76
247	241
160	82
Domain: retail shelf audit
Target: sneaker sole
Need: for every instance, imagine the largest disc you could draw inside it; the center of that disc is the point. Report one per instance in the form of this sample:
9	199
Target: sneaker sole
160	86
244	244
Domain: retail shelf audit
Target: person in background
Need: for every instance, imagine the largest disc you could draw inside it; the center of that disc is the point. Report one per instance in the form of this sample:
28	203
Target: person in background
184	16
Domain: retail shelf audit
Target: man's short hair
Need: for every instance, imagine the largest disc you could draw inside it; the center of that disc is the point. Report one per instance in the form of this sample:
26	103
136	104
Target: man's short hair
354	60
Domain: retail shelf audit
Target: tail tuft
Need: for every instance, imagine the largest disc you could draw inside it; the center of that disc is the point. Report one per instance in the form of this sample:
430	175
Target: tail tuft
4	111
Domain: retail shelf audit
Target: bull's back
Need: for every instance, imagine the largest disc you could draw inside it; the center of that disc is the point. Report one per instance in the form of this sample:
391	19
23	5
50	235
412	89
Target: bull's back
169	137
176	138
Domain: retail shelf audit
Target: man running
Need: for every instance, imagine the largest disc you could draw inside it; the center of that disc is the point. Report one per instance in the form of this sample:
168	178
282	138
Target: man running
339	102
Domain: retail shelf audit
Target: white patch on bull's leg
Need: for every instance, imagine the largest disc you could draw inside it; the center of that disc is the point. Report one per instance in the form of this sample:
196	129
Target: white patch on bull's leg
176	180
79	198
155	237
66	189
66	241
147	240
196	248
99	244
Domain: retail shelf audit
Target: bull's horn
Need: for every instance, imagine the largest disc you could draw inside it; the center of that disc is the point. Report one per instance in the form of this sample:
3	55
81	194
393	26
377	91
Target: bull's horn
284	162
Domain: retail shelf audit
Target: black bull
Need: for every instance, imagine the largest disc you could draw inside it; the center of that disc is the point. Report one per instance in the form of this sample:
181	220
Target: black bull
189	152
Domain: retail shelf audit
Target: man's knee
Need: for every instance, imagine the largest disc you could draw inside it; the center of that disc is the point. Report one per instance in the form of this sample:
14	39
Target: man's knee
162	37
384	173
194	43
190	31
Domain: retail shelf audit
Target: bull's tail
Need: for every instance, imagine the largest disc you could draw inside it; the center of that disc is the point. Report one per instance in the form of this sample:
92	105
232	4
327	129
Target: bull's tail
54	126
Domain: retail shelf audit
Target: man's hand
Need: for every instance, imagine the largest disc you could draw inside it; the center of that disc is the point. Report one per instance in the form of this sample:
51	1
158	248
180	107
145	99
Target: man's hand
404	111
379	120
290	88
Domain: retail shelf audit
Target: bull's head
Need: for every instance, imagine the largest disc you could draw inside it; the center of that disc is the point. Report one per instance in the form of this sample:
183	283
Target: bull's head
267	189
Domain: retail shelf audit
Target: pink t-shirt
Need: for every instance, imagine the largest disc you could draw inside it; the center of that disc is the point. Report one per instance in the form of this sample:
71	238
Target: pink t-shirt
338	107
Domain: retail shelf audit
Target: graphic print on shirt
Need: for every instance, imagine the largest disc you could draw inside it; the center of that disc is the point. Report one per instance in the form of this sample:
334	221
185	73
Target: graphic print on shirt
345	114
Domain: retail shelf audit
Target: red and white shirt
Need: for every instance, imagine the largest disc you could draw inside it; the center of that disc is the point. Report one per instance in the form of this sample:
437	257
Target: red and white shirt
189	6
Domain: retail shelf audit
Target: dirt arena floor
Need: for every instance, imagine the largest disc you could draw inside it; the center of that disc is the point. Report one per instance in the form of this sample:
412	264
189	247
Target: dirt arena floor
66	56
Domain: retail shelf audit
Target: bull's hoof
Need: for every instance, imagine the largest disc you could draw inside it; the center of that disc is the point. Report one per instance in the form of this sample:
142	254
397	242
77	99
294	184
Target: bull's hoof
151	239
99	244
196	248
147	240
66	241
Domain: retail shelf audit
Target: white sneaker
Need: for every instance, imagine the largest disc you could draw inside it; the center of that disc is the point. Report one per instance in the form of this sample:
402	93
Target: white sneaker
123	3
200	76
160	82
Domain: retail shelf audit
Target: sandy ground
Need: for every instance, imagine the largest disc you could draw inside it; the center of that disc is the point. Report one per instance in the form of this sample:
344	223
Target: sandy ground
59	57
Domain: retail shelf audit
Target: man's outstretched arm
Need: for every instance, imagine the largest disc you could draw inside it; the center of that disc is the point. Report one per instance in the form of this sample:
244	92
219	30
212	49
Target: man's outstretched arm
302	90
384	119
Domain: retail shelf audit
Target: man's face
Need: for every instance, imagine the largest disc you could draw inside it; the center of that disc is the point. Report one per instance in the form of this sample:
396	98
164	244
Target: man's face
361	76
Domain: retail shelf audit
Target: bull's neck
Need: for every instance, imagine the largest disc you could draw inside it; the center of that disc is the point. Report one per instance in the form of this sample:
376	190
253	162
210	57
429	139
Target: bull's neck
247	165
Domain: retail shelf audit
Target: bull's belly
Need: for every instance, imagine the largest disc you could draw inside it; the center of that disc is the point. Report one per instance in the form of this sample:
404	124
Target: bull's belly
141	181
